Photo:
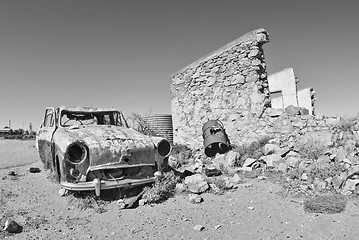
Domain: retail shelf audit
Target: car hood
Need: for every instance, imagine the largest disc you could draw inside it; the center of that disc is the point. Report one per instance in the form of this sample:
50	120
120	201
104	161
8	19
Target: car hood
111	145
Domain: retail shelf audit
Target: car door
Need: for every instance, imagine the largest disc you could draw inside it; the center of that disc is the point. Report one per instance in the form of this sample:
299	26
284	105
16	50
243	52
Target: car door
45	134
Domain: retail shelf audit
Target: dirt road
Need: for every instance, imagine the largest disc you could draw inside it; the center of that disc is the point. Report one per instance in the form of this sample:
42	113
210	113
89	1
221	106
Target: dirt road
255	210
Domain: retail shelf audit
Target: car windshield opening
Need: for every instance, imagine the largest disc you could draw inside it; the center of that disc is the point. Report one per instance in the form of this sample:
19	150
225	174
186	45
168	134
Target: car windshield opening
70	118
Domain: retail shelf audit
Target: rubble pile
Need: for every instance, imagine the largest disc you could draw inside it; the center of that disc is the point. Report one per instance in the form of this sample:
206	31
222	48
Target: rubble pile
315	161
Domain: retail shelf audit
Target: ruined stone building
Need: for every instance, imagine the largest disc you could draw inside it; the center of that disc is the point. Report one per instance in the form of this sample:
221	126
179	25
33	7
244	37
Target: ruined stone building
283	89
231	84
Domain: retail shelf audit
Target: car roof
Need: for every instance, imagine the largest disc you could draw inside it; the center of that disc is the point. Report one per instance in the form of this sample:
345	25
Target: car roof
87	109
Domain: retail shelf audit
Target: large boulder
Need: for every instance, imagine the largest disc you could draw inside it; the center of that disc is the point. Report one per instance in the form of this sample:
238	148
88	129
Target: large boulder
196	183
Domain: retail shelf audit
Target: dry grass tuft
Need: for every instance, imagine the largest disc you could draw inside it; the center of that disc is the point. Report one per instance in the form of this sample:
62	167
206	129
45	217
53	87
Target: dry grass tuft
162	189
328	204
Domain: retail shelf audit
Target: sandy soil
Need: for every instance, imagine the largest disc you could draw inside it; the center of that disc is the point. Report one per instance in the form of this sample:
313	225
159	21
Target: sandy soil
255	210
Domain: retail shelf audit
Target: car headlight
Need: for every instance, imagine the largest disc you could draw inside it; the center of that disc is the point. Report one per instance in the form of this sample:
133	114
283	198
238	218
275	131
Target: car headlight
76	152
164	148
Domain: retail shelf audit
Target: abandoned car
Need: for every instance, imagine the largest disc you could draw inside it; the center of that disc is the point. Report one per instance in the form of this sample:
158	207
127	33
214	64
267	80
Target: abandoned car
94	149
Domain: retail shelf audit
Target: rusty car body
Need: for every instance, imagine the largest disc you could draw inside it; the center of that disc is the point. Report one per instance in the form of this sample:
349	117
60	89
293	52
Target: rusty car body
94	149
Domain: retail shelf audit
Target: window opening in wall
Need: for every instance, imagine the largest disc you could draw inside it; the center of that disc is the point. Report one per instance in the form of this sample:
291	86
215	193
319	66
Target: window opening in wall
277	99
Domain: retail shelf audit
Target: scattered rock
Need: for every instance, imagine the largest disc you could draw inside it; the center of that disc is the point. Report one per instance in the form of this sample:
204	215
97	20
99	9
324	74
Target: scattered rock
282	167
12	226
232	158
63	192
214	188
196	183
349	186
271	160
304	177
251	208
319	184
235	179
142	202
34	170
292	161
180	187
217	226
261	177
12	173
248	162
198	228
212	171
195	198
338	181
270	148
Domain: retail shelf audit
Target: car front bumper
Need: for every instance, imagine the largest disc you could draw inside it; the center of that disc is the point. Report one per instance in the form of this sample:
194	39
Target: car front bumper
99	185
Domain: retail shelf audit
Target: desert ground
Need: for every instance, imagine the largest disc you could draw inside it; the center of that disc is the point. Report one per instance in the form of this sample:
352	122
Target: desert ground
255	209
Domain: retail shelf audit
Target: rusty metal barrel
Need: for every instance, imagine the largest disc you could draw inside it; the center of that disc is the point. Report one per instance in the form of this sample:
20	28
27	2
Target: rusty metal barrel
215	139
161	125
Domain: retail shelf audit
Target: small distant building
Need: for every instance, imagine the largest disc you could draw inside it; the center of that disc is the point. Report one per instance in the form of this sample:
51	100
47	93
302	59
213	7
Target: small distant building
5	130
283	90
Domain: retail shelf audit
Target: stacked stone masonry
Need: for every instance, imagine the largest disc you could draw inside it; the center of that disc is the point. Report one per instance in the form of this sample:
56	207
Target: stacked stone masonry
231	85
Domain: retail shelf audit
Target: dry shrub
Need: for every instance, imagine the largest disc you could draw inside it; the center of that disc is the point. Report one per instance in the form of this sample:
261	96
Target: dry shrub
323	170
346	124
86	200
313	145
137	122
220	184
252	150
162	189
182	153
328	204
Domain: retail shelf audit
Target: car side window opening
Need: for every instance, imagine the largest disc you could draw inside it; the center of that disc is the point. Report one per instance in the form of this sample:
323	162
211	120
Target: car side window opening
49	118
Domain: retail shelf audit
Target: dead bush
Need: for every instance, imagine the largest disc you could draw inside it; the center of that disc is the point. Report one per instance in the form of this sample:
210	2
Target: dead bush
328	204
162	189
137	122
182	153
86	200
313	145
252	150
324	170
346	124
220	183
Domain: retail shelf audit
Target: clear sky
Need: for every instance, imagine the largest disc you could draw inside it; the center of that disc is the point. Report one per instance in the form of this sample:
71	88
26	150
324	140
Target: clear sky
117	53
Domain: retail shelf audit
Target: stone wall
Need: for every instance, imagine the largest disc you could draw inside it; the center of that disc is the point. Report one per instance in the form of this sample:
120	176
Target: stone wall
231	85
